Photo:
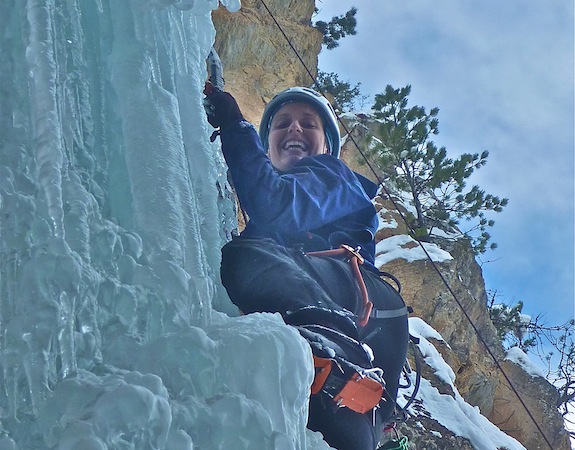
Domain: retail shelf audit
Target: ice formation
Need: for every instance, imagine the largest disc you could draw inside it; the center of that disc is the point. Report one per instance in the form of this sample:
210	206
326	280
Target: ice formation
114	206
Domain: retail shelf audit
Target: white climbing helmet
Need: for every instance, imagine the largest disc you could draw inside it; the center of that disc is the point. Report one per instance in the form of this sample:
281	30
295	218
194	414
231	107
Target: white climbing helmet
311	97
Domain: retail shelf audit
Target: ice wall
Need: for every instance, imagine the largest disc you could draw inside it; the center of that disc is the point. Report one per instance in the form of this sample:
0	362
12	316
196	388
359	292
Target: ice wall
113	208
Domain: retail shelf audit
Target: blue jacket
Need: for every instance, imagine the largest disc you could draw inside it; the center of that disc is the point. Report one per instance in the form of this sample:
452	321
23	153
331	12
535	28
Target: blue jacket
318	205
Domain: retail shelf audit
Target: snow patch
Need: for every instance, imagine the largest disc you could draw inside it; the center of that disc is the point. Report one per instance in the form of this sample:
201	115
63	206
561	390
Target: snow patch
384	222
394	248
453	413
421	329
519	357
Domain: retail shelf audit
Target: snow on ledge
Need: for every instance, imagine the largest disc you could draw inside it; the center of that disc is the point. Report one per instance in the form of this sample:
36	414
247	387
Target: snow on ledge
453	412
394	247
519	357
419	328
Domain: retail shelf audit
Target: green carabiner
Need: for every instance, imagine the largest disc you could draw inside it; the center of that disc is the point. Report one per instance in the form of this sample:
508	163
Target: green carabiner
396	444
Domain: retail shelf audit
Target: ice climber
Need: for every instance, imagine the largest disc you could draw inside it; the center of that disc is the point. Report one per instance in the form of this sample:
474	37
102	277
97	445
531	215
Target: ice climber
301	199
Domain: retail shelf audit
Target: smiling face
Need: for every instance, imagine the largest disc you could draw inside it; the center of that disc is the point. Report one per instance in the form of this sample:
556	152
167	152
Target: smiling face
296	131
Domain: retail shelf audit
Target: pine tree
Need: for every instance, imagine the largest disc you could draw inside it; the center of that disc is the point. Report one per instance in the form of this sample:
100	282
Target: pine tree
435	182
338	27
512	325
345	96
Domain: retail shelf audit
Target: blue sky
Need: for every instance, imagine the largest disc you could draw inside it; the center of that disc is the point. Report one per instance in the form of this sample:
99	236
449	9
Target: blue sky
501	74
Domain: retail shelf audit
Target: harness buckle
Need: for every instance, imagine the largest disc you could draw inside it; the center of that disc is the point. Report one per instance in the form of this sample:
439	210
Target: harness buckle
354	252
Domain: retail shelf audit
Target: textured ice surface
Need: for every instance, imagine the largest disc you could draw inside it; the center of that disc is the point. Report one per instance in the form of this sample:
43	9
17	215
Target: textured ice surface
114	207
210	387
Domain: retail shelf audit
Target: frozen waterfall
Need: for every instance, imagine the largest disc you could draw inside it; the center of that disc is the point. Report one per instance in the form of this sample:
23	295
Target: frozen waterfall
115	330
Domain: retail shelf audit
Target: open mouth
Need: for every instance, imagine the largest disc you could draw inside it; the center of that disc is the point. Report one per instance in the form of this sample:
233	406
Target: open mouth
295	147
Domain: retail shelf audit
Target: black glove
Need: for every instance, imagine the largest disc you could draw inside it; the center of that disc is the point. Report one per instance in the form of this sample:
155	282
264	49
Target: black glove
222	109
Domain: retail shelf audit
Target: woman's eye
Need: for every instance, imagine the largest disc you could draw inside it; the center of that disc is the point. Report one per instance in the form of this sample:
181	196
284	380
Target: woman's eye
280	124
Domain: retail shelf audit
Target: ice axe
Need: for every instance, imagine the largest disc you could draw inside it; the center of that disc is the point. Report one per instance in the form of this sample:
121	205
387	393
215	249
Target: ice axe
215	83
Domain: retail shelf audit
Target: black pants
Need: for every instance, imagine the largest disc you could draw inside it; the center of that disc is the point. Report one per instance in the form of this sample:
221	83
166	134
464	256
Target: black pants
262	276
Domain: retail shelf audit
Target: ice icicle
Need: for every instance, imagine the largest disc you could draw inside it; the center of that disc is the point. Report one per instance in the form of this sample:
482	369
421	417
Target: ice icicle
47	133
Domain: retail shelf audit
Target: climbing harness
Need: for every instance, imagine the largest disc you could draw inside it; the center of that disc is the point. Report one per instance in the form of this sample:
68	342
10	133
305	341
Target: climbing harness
323	366
355	259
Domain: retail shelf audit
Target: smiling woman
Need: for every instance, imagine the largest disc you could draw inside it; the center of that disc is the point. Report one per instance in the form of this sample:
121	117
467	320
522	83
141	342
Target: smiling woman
301	200
296	131
320	106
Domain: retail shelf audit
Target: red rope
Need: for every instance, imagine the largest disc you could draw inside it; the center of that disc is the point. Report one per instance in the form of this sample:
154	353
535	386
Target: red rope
355	259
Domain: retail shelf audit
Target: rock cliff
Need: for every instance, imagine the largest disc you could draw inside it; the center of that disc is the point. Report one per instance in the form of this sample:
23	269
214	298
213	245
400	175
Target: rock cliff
259	62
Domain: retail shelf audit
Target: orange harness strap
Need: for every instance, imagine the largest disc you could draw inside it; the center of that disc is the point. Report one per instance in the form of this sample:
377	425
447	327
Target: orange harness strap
355	260
322	368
